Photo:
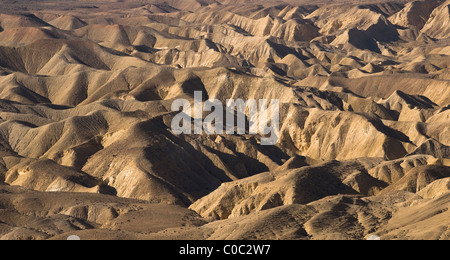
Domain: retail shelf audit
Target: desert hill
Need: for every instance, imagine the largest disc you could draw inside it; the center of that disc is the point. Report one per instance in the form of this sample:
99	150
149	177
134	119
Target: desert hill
86	145
438	19
415	14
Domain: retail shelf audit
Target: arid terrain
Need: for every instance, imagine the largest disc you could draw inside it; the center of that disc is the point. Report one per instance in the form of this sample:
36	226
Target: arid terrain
87	149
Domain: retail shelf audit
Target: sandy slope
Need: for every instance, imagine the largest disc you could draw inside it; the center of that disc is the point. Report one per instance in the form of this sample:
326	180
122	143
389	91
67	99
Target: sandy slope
85	113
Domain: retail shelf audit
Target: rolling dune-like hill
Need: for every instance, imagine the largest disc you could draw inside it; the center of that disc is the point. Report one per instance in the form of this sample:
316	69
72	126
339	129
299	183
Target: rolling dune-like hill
87	149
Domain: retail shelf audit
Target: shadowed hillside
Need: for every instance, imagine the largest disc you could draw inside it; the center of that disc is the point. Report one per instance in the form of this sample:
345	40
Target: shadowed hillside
86	145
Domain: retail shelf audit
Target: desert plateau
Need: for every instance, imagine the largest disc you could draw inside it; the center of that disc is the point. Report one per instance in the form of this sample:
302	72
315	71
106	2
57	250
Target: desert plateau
87	147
